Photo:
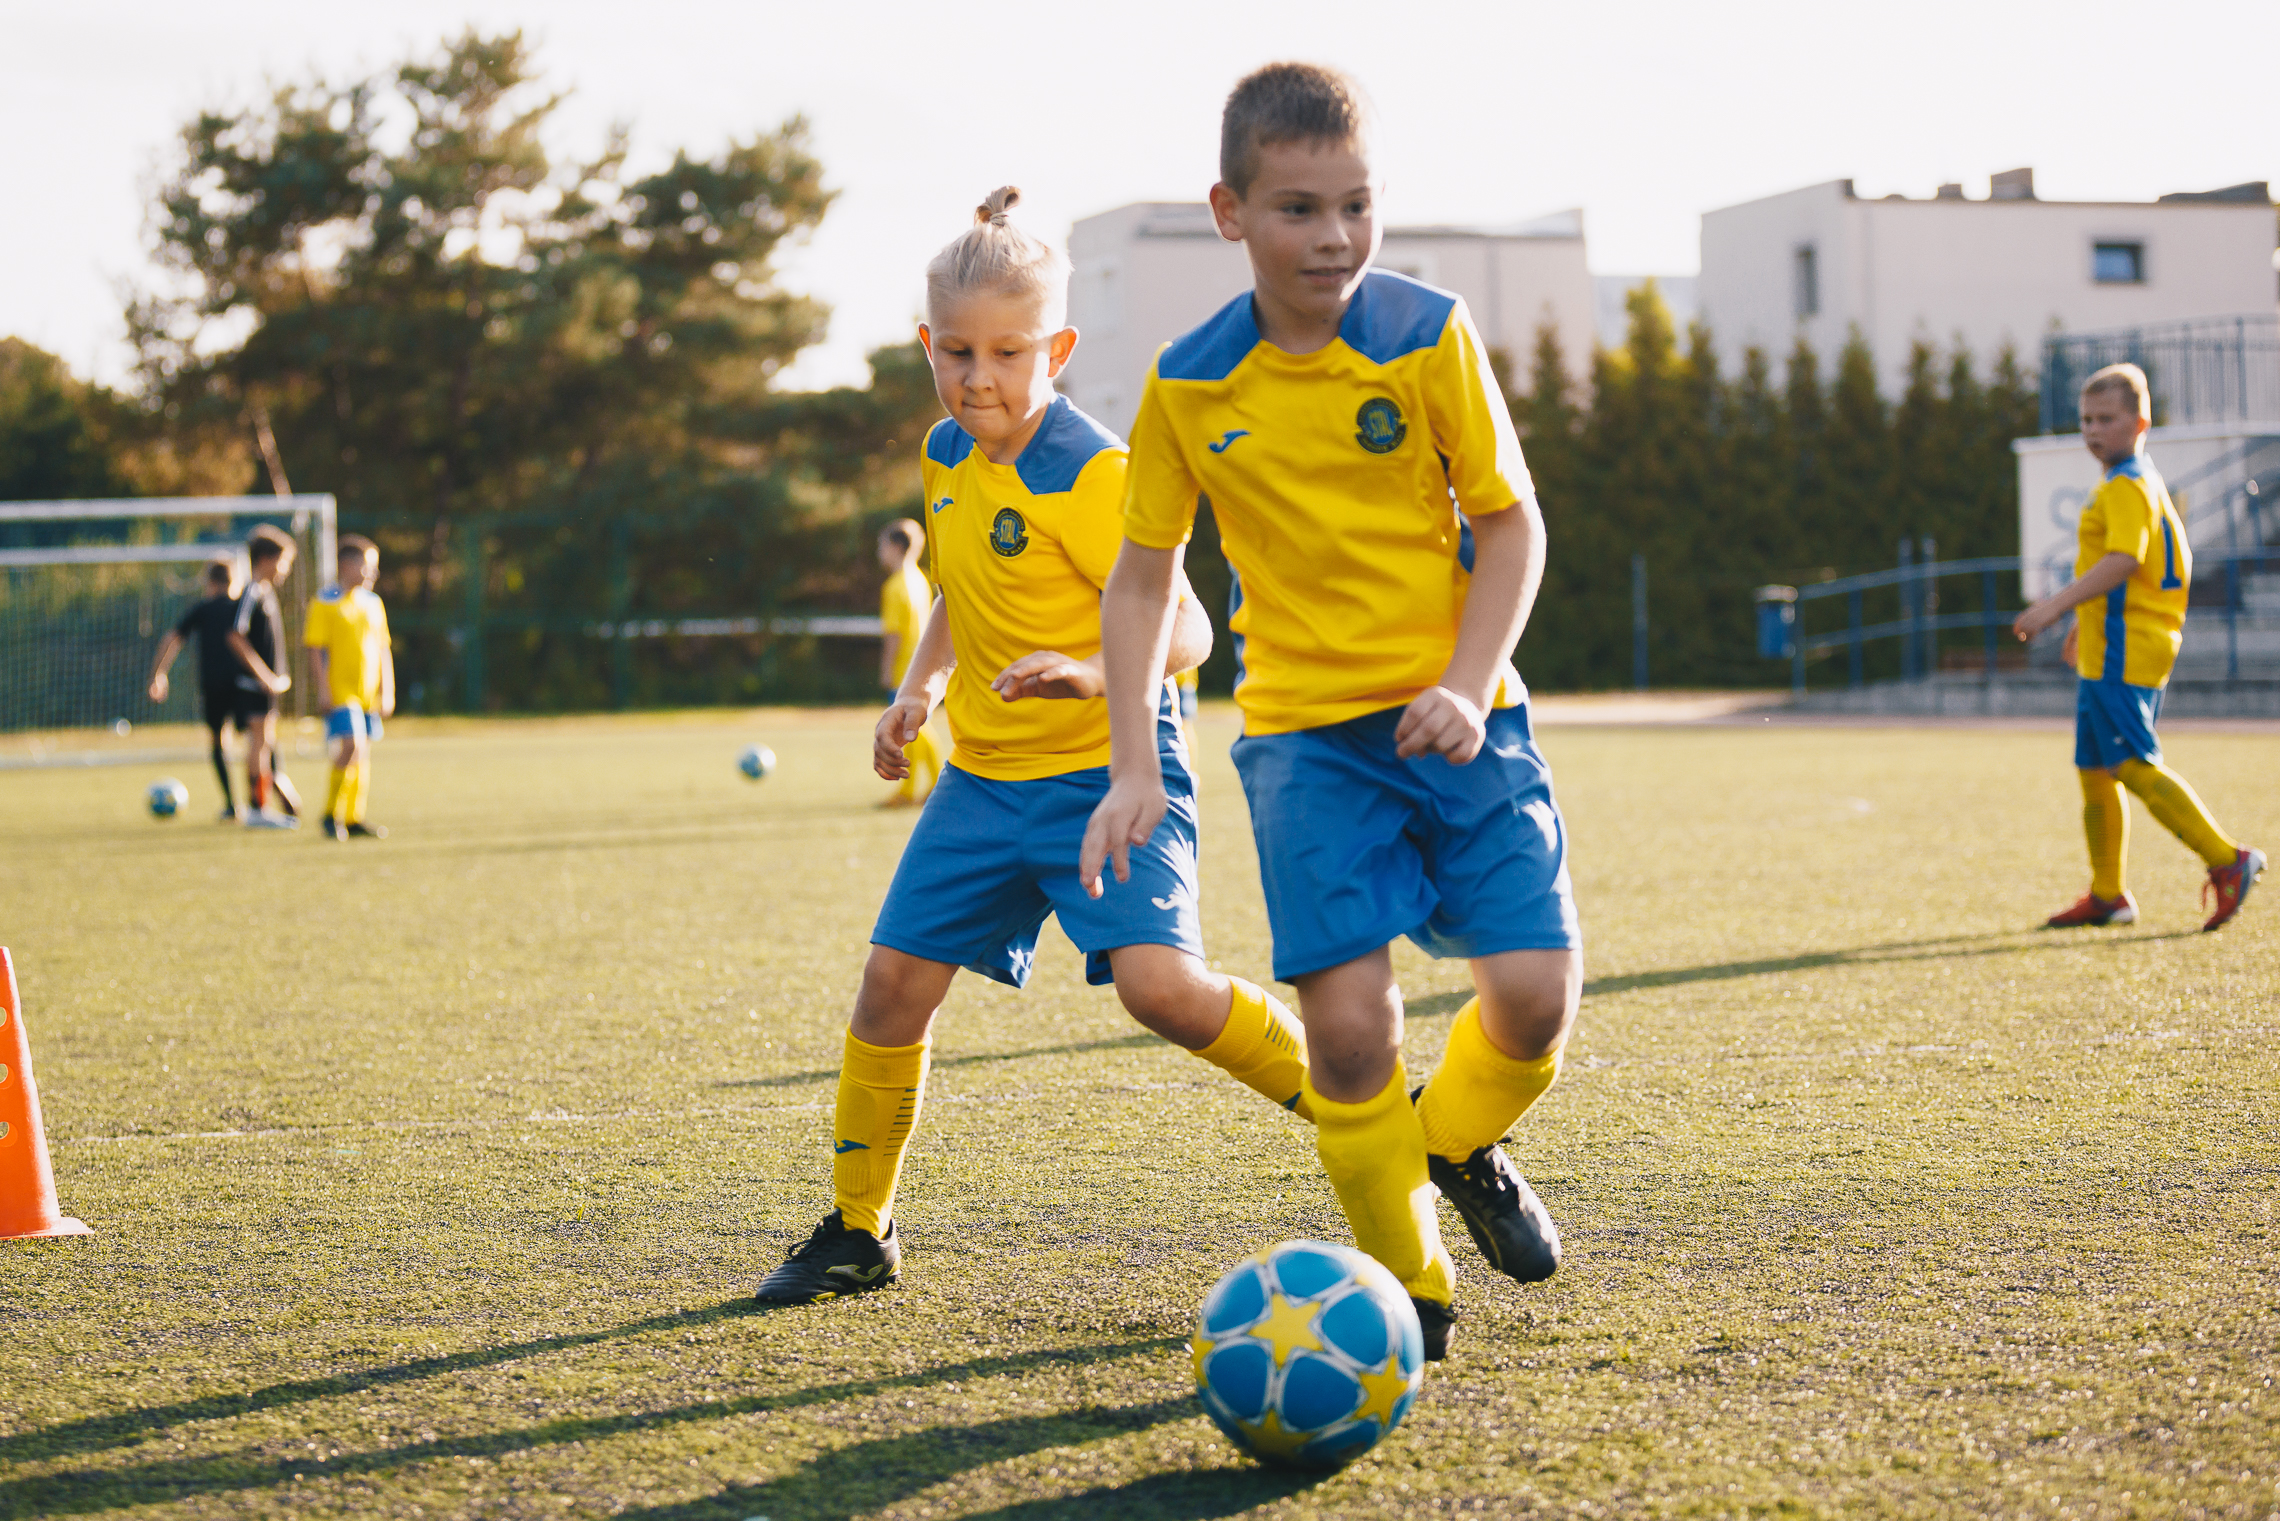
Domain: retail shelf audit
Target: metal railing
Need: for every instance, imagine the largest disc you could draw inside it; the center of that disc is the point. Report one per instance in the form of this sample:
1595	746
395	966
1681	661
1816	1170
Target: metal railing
2206	370
2223	580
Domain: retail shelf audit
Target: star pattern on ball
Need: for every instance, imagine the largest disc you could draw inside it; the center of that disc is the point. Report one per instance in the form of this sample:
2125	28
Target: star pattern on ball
1288	1328
1270	1439
1381	1392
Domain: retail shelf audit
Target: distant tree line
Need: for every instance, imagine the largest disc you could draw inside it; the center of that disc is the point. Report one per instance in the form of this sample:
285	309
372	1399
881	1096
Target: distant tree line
548	389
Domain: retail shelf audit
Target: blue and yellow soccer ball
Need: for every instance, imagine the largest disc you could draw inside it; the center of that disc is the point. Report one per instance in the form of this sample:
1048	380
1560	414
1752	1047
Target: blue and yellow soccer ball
167	798
756	761
1308	1354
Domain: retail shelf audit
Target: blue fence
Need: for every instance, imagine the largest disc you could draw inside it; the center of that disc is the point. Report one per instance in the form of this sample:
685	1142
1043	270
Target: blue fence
2207	370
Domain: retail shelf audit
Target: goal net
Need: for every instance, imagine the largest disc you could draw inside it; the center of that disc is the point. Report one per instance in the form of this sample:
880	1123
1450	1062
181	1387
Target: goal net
88	588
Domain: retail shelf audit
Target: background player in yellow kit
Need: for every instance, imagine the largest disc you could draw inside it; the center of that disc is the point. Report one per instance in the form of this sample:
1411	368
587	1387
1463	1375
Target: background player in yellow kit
1023	495
2133	561
904	602
1384	533
355	677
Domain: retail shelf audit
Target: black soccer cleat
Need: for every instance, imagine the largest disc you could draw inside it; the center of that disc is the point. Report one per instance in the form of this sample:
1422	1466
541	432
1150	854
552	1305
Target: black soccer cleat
363	831
1508	1222
833	1262
1437	1321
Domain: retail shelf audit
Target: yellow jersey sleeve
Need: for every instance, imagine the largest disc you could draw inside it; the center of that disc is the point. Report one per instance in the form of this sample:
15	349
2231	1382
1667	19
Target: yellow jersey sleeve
1093	531
1472	427
894	608
2127	522
316	627
1159	489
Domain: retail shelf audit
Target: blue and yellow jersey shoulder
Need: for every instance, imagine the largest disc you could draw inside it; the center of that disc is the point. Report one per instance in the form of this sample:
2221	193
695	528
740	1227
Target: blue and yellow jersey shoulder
1020	553
1341	481
2132	633
352	629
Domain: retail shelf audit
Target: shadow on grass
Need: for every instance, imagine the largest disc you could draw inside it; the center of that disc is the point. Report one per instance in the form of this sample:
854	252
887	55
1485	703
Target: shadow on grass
867	1476
2001	943
1074	1048
86	1491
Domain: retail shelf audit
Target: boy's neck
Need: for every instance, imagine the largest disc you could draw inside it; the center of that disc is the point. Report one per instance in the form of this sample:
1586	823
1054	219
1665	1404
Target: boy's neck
1006	450
1294	331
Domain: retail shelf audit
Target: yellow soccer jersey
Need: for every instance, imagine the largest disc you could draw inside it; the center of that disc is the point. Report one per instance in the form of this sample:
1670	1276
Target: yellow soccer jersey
1337	479
1020	553
351	627
2132	633
904	602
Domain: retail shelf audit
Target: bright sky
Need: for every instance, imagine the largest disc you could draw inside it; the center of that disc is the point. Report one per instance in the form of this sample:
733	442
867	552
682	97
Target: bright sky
1644	115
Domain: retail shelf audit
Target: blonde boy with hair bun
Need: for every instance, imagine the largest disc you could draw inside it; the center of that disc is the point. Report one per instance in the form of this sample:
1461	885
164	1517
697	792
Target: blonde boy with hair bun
1023	496
2133	560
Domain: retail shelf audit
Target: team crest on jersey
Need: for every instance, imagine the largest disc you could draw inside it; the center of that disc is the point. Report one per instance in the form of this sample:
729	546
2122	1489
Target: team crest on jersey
1009	535
1378	426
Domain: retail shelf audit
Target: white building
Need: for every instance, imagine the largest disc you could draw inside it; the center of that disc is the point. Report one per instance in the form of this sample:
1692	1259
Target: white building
1146	273
1821	261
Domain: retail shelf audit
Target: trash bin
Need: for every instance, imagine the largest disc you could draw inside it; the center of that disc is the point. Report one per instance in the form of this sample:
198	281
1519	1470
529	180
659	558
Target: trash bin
1776	622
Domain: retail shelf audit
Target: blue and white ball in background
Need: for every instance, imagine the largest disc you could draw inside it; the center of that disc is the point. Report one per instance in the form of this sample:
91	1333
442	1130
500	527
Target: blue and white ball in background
167	798
1308	1354
756	761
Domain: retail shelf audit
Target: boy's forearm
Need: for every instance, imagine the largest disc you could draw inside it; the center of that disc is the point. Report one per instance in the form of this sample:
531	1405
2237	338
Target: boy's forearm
1136	616
932	661
168	648
242	647
1508	566
2099	579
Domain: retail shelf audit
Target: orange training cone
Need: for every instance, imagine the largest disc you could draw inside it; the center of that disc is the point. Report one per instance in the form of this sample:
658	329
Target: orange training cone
27	1187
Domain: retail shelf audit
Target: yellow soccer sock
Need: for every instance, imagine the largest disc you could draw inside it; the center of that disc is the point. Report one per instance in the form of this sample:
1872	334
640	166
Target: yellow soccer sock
2172	801
1374	1153
2106	821
923	762
1263	1047
335	784
880	1090
1477	1092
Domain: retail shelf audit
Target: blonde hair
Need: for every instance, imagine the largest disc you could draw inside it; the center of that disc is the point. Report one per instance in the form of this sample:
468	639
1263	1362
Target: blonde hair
996	256
2124	377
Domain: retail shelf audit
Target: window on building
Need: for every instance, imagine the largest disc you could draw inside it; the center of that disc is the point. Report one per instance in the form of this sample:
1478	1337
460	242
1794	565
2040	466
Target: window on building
1806	277
2118	263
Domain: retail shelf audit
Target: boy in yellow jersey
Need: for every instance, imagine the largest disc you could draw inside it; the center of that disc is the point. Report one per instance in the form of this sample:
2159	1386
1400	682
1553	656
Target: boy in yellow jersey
903	603
355	676
1023	494
2133	561
1371	498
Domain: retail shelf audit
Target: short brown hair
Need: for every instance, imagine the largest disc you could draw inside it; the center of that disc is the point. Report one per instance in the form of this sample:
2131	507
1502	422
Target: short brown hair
903	533
1285	103
355	544
266	543
2126	378
221	570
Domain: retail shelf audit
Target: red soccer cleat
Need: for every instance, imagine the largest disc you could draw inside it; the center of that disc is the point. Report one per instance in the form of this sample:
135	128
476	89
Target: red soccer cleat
2094	910
2231	885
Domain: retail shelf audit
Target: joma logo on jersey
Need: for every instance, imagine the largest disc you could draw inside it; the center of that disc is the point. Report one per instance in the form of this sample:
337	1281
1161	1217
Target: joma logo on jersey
1378	426
938	506
1009	535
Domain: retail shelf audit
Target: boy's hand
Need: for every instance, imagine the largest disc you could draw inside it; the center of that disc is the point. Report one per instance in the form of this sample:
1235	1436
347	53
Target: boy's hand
2032	622
1441	722
1049	673
898	726
1124	818
158	686
278	683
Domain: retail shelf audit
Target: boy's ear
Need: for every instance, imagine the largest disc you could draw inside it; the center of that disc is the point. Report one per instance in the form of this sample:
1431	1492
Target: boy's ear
1060	346
1225	205
926	340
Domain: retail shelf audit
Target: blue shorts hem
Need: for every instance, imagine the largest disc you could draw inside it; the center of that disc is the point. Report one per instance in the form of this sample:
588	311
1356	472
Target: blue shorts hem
944	956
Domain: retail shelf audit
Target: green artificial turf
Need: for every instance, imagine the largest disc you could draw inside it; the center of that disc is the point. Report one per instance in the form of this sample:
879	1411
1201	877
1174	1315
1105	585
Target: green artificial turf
430	1177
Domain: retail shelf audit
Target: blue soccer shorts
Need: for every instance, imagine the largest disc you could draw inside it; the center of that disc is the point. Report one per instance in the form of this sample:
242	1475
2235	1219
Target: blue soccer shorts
351	720
990	859
2113	722
1358	847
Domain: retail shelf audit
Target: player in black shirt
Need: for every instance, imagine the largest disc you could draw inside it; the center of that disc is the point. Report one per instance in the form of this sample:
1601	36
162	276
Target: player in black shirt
257	640
208	623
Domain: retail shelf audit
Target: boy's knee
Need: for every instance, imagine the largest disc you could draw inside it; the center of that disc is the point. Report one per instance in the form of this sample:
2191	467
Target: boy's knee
1528	1000
1171	993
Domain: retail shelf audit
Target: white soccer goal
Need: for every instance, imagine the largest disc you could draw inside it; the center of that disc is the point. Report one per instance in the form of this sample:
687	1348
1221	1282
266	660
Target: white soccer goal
87	589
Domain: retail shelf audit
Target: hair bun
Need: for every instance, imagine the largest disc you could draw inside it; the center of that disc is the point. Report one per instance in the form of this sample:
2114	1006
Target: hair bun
991	213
